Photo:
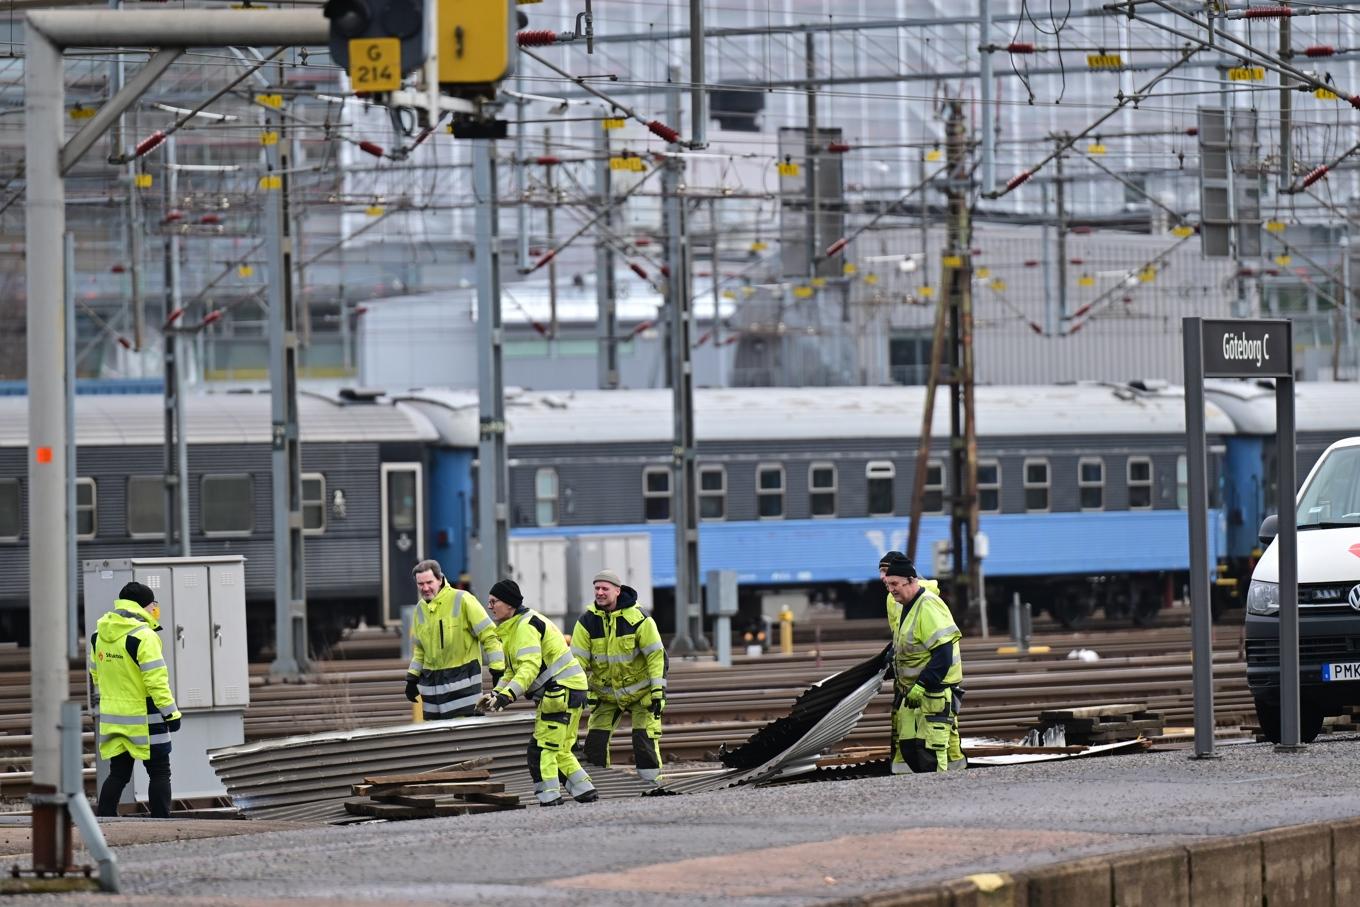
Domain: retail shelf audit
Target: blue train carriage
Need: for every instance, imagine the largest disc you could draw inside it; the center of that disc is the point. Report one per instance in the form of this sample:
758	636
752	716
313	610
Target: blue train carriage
364	466
1324	412
801	490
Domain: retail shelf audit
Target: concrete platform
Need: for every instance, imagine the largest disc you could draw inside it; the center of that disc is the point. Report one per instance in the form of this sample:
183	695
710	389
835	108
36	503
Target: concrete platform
1154	828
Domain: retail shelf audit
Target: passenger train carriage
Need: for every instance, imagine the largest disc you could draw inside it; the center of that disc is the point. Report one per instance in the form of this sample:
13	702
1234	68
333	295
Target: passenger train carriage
800	490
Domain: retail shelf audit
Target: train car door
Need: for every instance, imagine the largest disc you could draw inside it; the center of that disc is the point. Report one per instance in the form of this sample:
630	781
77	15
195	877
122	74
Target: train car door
403	535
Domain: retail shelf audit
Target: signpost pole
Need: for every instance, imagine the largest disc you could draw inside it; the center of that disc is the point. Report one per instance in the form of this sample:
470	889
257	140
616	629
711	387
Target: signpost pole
1287	547
1197	507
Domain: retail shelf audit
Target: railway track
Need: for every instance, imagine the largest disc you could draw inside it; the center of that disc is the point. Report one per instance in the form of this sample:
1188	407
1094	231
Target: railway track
709	706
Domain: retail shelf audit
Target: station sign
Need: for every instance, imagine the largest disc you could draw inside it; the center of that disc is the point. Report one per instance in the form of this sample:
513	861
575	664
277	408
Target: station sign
1240	348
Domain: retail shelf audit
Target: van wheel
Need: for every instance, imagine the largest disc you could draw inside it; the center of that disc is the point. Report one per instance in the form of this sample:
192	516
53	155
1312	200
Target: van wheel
1310	721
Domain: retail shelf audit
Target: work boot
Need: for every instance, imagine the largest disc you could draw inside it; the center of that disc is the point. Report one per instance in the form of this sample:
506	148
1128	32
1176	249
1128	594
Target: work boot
589	796
557	802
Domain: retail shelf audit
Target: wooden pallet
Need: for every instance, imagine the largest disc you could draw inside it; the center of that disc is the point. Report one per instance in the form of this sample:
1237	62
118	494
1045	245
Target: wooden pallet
1094	725
457	791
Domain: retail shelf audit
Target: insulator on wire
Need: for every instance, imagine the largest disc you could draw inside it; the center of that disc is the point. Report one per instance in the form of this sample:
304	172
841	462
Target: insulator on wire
1020	47
638	270
1267	12
1019	178
1076	327
1319	50
371	148
547	160
543	261
149	143
125	343
1082	310
1034	326
540	38
1032	263
665	270
837	148
174	316
658	128
538	326
837	246
211	317
1193	130
1315	174
1354	101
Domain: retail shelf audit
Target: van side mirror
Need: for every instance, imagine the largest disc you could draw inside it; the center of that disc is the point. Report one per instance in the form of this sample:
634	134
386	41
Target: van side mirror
1270	527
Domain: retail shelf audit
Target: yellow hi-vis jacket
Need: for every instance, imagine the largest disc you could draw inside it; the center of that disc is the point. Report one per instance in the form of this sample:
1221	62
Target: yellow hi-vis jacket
449	633
538	654
621	651
130	682
926	642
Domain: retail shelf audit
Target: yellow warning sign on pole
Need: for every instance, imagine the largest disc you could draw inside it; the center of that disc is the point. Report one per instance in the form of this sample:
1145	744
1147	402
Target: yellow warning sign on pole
375	64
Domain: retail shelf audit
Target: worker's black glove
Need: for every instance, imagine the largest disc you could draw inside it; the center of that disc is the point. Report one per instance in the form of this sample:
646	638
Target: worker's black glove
493	702
495	676
658	703
172	724
412	691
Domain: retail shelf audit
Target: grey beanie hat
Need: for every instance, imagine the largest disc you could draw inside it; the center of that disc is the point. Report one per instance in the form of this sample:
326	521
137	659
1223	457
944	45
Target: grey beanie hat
607	576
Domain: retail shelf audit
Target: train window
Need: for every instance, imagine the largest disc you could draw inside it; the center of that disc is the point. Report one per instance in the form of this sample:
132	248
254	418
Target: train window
1140	483
932	499
1091	483
87	521
1182	483
712	492
227	504
656	493
989	486
146	506
11	520
770	491
1036	484
822	489
880	475
313	503
545	496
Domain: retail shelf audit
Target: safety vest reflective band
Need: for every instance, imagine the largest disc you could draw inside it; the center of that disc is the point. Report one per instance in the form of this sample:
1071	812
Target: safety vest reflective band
451	632
922	629
621	652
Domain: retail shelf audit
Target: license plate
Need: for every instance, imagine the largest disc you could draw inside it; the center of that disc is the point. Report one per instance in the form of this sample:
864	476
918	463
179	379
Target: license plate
1349	670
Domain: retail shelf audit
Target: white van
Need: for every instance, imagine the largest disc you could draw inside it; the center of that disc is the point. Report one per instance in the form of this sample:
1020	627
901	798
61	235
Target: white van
1329	598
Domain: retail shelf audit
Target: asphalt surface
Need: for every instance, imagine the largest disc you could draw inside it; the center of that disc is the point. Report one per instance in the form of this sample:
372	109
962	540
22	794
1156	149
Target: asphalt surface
798	844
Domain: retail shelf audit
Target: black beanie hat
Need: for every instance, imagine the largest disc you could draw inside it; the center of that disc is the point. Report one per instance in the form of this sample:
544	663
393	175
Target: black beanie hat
136	592
507	590
902	567
888	558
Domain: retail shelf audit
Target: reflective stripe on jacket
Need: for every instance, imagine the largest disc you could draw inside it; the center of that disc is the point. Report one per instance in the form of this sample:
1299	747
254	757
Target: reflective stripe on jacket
921	631
538	654
450	633
621	651
131	684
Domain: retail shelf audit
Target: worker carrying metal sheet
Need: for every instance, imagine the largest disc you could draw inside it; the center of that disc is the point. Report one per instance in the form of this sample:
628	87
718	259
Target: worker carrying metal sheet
135	712
927	670
541	667
450	631
620	649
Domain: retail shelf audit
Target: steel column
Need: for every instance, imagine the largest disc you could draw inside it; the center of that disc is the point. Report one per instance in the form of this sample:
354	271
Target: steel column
606	328
1197	509
1288	551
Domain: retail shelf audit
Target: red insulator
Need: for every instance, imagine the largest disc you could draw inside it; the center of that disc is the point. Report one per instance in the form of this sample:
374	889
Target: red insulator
1354	101
125	343
1082	311
210	219
547	160
1193	130
643	241
837	246
1032	263
1319	50
637	269
118	269
213	316
1076	327
174	215
658	128
1018	179
1267	12
837	148
665	270
1020	47
543	261
1076	261
149	143
1246	272
424	134
361	310
1034	326
1314	175
538	326
370	148
174	316
541	38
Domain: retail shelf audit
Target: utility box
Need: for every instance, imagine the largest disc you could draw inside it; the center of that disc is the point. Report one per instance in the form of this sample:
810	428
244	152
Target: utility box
539	565
720	599
203	635
628	554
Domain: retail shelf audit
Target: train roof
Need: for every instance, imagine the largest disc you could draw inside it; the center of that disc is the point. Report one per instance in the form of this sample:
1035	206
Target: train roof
1323	406
723	414
227	418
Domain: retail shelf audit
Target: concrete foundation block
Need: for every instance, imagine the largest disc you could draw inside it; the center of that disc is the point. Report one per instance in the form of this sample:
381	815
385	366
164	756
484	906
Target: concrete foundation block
1226	873
988	890
1297	866
934	896
1346	862
1159	877
1084	882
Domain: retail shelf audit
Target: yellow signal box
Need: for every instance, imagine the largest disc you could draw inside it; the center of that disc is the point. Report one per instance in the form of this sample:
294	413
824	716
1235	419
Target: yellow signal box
374	64
475	40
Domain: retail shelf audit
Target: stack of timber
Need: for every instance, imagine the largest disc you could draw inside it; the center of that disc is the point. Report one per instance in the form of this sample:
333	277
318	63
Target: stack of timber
1097	724
429	794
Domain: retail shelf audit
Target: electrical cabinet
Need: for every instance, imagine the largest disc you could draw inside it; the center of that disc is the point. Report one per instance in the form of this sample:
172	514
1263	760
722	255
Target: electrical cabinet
627	554
539	565
203	636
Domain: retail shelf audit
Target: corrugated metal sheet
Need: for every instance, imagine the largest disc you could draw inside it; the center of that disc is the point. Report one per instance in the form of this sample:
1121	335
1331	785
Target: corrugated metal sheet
790	746
222	418
1022	544
308	777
